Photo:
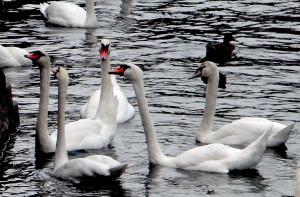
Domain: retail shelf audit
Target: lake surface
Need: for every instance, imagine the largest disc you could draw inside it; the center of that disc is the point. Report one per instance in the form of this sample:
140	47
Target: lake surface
166	38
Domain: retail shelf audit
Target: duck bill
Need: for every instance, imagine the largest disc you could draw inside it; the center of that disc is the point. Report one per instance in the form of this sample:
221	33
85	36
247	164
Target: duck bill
119	71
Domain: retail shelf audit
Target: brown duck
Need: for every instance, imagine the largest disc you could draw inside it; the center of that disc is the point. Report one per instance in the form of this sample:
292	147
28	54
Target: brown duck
220	52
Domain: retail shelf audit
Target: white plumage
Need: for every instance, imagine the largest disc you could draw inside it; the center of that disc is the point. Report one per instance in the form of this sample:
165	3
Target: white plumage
211	158
125	110
67	14
240	132
13	56
94	166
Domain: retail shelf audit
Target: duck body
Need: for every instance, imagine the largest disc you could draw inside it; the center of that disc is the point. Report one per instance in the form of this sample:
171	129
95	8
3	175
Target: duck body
13	57
66	14
214	157
220	52
239	132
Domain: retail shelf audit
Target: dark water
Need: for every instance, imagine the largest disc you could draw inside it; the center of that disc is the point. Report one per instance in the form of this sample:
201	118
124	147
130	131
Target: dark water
166	37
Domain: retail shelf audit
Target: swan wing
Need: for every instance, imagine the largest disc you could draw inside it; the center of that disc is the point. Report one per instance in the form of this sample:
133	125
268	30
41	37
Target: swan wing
13	56
242	131
196	158
125	110
79	168
87	134
65	14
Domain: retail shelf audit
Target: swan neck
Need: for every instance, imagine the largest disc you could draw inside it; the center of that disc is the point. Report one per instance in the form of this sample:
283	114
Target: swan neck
106	109
43	141
210	106
61	156
155	154
91	20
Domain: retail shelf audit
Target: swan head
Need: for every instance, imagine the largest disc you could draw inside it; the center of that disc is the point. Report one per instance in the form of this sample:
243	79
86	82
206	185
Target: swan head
40	57
104	49
62	75
209	70
128	70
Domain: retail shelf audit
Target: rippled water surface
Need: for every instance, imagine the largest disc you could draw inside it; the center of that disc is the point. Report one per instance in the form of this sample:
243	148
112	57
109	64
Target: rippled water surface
167	38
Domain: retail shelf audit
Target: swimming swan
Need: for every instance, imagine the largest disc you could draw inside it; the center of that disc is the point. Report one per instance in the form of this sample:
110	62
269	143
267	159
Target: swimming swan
81	134
13	56
125	110
211	158
240	132
67	14
94	166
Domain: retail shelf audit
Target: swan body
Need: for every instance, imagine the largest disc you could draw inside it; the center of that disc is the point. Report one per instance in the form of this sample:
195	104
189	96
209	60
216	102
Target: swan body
94	166
82	134
67	14
125	110
13	56
211	158
240	132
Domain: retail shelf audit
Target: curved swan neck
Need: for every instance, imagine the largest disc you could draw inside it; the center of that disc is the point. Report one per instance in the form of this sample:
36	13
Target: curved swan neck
155	154
61	152
90	20
210	106
43	141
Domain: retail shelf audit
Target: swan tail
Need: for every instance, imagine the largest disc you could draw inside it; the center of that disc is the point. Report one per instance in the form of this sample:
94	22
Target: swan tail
43	8
118	170
281	136
252	154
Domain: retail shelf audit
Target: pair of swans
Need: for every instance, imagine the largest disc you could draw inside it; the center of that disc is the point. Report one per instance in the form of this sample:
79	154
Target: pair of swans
94	166
125	110
13	56
240	132
84	133
214	157
67	14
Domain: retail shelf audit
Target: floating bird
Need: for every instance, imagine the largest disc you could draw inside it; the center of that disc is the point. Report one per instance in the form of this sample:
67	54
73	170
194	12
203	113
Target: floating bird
240	132
211	158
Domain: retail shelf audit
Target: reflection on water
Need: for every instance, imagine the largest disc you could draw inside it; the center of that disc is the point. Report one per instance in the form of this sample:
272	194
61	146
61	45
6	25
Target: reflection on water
166	38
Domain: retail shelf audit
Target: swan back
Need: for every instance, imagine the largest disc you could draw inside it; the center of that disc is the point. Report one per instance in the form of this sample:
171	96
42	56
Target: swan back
13	56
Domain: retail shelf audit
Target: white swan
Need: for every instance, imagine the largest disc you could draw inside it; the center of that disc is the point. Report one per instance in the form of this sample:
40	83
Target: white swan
13	56
212	158
81	134
125	109
94	166
242	131
69	15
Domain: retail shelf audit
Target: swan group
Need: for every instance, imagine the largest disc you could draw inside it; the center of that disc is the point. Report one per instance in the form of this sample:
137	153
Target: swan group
93	166
125	110
240	132
214	157
81	134
67	14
